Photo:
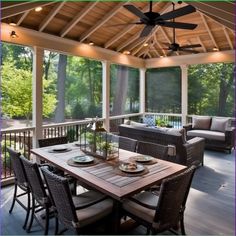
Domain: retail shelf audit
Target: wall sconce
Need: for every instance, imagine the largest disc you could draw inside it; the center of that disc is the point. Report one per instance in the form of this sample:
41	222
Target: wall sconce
13	34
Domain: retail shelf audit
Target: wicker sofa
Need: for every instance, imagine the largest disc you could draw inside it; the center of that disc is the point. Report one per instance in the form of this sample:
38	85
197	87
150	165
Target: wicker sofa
187	153
217	131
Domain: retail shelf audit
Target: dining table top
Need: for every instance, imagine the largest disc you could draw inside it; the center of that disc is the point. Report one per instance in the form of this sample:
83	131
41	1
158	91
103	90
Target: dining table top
107	176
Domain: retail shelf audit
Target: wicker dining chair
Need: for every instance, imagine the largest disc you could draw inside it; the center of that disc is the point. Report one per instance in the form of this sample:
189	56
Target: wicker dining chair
20	180
52	141
153	149
127	144
57	141
79	211
163	212
40	198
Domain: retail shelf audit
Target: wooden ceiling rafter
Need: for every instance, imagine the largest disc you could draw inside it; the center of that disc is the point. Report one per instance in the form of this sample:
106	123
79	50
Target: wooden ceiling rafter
159	45
77	18
105	18
228	38
208	30
127	28
50	16
22	17
21	8
200	42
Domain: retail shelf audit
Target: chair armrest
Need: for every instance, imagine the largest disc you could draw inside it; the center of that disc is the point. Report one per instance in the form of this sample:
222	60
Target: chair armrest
230	136
195	150
187	127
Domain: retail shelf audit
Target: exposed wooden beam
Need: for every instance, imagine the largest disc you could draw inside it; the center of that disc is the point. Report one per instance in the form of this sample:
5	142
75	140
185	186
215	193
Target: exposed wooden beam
208	30
203	46
9	4
228	38
127	28
77	18
132	46
224	11
49	17
158	44
155	51
102	21
23	16
144	51
21	8
129	41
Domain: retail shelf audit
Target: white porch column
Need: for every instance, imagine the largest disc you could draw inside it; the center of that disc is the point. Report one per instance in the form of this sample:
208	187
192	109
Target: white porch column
184	93
142	72
106	94
37	94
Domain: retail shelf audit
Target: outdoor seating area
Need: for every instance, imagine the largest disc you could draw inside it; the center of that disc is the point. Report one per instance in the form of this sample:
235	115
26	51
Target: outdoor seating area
117	117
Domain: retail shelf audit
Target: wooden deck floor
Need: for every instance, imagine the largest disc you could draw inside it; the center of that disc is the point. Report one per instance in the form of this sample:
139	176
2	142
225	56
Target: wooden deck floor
210	207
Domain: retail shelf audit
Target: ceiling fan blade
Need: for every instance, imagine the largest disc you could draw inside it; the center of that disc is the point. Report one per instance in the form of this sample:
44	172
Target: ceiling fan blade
191	46
136	11
177	13
179	25
188	50
146	30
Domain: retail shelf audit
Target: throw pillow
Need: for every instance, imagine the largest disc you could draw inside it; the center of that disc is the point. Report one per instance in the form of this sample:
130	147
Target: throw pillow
149	120
137	124
219	124
201	122
126	122
179	131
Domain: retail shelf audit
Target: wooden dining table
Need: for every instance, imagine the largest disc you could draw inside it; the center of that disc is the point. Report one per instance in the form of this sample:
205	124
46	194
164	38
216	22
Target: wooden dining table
106	176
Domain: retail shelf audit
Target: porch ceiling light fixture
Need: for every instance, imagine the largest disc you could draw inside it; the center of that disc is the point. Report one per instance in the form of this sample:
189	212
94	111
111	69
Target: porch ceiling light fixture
126	52
215	49
145	44
38	9
12	23
13	34
91	43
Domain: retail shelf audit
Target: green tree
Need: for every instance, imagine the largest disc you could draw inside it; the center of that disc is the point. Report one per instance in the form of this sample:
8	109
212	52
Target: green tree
17	93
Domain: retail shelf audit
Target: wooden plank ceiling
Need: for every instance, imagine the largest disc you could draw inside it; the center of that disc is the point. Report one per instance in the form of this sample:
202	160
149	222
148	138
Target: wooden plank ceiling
97	22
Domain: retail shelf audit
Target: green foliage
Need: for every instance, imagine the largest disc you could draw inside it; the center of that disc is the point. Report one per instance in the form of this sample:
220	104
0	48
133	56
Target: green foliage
17	93
71	135
77	112
161	123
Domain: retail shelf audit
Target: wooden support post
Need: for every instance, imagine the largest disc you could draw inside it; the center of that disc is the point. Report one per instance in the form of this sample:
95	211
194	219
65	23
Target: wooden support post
184	93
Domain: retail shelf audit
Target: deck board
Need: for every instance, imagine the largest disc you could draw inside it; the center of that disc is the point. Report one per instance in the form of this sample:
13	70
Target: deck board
210	206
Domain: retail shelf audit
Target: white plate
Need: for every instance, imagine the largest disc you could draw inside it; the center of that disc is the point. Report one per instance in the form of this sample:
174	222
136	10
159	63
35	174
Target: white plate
83	159
143	158
124	167
59	148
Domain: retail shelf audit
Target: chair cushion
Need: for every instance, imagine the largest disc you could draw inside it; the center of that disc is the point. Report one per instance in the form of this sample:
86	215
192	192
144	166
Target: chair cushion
139	210
201	122
95	212
219	124
208	134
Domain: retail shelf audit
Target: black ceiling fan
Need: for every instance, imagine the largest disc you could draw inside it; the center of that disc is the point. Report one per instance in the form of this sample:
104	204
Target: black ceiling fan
152	19
175	47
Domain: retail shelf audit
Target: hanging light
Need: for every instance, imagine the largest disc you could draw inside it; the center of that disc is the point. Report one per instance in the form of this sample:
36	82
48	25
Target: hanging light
13	34
38	9
91	43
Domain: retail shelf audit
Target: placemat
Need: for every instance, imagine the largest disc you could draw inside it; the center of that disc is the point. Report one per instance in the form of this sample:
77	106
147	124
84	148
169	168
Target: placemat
151	162
70	162
122	173
60	151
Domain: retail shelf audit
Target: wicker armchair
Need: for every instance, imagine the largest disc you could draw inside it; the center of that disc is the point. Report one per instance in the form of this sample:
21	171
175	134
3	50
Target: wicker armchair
77	212
152	149
127	144
163	212
21	182
39	194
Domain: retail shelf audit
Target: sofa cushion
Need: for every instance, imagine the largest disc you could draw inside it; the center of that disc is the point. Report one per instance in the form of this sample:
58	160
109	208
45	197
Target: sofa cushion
137	124
201	122
178	131
219	124
126	122
208	134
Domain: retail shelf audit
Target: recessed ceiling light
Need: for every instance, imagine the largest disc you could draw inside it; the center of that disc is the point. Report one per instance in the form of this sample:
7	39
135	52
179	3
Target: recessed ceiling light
126	52
91	43
37	9
145	44
215	49
161	56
